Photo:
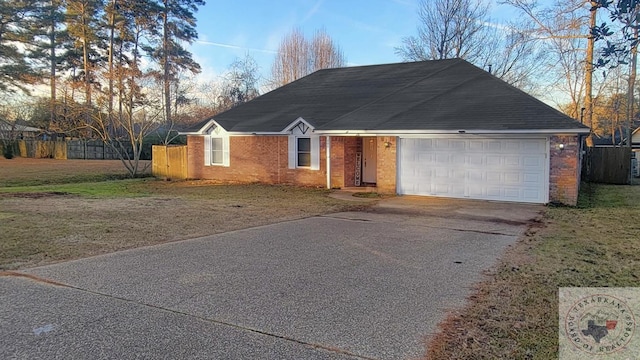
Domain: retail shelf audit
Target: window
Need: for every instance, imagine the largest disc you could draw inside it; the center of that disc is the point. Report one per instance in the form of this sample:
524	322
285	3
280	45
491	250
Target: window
304	152
217	151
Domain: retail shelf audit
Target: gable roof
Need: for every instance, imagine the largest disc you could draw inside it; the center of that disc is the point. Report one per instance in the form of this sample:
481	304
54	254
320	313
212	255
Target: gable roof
439	95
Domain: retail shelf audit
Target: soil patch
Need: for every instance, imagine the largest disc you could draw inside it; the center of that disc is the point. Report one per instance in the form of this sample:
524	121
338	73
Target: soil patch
36	195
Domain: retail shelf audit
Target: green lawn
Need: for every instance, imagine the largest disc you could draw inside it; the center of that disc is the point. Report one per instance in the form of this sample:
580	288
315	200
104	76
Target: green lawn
514	315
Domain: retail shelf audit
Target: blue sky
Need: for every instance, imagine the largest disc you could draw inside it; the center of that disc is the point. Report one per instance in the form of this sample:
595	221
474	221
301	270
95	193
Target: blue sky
367	31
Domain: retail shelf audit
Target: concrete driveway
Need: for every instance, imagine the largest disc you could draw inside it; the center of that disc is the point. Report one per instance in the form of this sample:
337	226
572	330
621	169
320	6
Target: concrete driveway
357	285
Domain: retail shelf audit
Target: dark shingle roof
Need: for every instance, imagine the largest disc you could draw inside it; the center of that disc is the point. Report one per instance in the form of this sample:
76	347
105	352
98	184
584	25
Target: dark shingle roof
429	95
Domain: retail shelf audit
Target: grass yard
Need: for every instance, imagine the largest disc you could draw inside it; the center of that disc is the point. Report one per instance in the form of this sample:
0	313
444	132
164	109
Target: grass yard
514	314
26	172
56	210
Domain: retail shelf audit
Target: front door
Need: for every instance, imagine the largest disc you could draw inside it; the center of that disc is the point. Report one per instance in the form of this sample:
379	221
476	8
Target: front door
369	160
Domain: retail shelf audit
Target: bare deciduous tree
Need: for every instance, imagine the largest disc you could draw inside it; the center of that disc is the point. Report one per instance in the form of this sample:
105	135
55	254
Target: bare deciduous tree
462	29
240	83
447	29
298	57
562	32
325	52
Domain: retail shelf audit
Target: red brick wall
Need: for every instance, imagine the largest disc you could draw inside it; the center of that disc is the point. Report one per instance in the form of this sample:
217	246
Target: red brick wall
337	162
352	146
265	159
564	169
195	156
261	159
386	171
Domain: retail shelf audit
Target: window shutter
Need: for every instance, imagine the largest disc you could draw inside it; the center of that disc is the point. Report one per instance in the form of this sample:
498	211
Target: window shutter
207	150
225	151
315	152
292	152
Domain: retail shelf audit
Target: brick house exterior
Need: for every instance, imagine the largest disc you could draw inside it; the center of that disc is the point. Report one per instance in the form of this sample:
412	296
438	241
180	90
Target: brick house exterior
361	132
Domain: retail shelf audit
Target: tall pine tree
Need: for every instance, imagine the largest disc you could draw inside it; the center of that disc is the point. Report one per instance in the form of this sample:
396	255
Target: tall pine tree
178	26
15	20
50	44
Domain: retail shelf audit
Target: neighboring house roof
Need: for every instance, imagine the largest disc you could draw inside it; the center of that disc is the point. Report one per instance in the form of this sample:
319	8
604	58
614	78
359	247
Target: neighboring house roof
442	95
5	126
619	138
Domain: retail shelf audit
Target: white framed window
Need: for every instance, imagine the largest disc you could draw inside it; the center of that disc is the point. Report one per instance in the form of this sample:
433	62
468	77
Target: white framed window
216	150
304	152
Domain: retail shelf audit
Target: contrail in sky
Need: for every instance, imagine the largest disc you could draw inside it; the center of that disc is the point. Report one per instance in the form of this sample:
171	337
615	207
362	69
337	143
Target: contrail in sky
228	46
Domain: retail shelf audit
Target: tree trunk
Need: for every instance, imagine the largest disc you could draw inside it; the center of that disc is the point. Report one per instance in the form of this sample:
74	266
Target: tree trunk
112	21
52	61
165	63
588	96
630	90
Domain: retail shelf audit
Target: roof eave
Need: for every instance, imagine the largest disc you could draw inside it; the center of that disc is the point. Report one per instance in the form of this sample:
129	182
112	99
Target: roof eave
202	130
458	131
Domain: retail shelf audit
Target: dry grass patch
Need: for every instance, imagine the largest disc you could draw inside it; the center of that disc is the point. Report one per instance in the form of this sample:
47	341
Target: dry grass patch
514	314
27	171
46	224
55	210
45	227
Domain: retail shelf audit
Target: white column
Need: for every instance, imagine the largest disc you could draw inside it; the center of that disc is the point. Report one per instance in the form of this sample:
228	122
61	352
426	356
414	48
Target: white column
328	161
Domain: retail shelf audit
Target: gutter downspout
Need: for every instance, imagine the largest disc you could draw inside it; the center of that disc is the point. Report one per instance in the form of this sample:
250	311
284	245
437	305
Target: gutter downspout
328	162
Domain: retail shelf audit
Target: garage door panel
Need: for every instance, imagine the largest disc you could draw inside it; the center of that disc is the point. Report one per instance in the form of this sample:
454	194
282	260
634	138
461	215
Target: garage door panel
493	160
494	192
533	146
532	178
494	146
476	175
512	178
532	162
426	158
476	145
492	169
475	160
513	161
494	177
511	193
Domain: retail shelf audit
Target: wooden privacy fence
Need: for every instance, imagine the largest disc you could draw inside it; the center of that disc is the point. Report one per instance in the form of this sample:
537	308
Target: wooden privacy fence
169	161
608	165
42	149
77	149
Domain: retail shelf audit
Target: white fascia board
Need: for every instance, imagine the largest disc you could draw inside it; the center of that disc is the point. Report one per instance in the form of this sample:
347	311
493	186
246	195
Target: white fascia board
264	133
457	132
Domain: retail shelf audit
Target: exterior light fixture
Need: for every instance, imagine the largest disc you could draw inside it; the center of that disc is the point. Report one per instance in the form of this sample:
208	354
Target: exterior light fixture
387	144
561	146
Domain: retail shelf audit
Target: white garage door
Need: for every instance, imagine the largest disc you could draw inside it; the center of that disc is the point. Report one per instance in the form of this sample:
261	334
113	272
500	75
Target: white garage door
476	168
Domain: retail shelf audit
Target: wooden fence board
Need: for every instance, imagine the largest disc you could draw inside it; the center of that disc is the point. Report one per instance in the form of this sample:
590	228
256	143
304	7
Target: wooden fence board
76	149
169	161
608	165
